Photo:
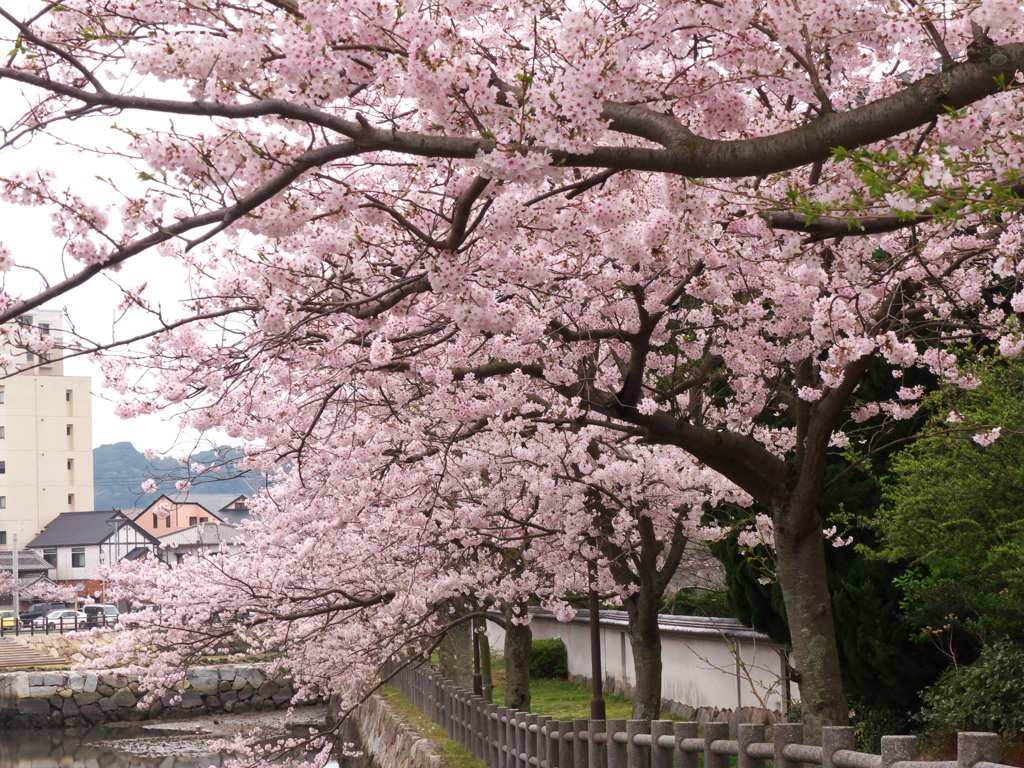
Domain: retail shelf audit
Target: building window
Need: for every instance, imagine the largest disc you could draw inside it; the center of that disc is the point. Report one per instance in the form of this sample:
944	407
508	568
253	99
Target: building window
50	556
1	433
69	430
44	329
1	397
193	520
78	557
71	502
156	521
3	537
204	519
3	502
67	395
71	463
3	467
167	522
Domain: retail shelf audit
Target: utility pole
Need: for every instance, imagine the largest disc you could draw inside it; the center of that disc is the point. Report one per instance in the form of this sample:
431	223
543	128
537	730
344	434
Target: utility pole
597	707
14	570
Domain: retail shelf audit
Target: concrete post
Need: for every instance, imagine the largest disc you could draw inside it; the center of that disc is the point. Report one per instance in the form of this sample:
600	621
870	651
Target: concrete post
974	747
714	732
747	734
785	734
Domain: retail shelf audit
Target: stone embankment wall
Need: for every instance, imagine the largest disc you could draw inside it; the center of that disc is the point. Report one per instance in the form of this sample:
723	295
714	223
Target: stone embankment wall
69	646
387	740
42	699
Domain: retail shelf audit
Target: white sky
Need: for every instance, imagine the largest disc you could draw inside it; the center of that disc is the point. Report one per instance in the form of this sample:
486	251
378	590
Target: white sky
93	307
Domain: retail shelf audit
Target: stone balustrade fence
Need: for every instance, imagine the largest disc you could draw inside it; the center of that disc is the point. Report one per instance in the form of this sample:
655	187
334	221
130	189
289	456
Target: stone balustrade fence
507	738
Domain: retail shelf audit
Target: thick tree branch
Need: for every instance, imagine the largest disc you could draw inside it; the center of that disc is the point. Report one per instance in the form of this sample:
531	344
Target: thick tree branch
682	152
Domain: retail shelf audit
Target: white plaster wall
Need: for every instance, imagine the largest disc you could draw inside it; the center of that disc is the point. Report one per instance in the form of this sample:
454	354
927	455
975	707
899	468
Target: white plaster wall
699	669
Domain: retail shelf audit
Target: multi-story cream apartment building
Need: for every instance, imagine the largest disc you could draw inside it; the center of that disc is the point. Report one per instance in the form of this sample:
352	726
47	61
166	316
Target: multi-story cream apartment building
45	439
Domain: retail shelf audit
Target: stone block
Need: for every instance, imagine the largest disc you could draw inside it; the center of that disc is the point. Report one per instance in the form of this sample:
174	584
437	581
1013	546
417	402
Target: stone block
211	702
42	691
156	708
65	693
224	685
56	701
245	692
204	680
55	679
108	705
76	682
227	673
105	690
35	679
33	707
70	708
87	697
93	714
20	686
190	699
267	689
228	697
241	708
91	681
124	698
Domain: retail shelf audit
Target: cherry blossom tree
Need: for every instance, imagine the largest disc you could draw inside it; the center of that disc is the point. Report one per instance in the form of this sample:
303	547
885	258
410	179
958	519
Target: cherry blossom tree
694	223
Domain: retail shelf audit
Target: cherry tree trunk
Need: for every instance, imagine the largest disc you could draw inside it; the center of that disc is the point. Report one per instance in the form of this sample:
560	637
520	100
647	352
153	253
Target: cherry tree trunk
645	642
518	643
455	655
485	667
801	572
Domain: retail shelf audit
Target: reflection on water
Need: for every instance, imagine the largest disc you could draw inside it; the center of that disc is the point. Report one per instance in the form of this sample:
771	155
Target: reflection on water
160	745
60	748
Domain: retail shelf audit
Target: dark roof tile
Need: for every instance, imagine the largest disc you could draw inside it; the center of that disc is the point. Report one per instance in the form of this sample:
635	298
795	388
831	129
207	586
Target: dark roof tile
77	529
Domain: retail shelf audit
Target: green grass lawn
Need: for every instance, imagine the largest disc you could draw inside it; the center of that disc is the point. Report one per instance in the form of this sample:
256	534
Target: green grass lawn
560	699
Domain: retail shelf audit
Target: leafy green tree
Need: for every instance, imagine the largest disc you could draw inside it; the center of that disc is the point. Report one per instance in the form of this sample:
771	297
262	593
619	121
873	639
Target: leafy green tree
954	506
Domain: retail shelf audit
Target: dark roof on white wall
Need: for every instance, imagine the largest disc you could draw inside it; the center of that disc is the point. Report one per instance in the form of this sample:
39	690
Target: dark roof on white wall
81	528
28	562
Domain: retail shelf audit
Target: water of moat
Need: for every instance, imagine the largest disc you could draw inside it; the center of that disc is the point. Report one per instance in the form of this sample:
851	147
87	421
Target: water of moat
158	744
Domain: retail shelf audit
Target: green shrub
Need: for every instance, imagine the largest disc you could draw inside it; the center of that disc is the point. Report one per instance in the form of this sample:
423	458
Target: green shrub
871	723
548	658
985	696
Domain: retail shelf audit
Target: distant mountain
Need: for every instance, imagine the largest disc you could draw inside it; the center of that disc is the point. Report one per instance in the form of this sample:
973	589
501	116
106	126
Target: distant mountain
119	472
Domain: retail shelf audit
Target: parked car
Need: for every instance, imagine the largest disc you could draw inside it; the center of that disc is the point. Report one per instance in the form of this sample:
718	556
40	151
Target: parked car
40	609
62	619
8	619
99	615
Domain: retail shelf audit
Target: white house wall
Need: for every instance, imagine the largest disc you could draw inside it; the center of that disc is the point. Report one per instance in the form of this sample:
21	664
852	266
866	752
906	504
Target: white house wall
700	668
66	573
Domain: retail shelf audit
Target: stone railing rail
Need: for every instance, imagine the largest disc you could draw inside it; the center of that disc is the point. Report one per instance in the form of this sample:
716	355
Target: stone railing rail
507	738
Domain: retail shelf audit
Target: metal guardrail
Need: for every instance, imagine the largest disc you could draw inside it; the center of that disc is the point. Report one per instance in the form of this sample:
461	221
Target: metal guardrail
58	626
507	738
